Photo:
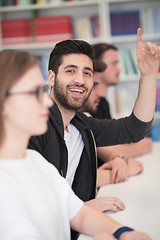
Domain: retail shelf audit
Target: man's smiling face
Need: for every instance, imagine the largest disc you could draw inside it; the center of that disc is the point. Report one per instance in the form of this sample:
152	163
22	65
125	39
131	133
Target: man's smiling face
74	81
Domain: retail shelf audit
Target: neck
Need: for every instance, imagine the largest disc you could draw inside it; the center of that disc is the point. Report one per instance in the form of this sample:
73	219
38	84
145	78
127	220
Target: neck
67	114
13	146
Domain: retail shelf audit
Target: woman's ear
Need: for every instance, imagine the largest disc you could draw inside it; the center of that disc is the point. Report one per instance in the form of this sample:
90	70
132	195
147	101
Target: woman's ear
51	78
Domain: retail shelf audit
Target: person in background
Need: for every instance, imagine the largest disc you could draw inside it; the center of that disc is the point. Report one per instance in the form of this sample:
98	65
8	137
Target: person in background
108	53
36	202
119	168
74	135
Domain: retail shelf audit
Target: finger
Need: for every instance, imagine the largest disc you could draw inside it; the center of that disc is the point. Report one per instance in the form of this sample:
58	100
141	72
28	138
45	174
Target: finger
113	175
118	203
124	175
141	169
156	49
152	47
139	42
113	208
105	166
118	176
108	202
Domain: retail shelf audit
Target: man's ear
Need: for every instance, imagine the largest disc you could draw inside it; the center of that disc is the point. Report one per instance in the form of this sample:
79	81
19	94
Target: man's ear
51	78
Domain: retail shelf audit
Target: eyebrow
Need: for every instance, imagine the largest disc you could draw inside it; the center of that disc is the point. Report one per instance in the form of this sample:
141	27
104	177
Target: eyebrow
88	68
75	66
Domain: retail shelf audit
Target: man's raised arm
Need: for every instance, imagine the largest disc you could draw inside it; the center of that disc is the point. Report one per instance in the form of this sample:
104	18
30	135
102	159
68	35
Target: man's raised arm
148	61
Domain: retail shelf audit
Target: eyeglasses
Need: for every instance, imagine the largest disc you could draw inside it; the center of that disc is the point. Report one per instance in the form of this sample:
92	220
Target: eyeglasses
38	92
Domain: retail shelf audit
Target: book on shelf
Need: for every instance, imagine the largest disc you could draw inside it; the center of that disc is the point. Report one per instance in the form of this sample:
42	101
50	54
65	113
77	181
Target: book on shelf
124	22
121	65
55	28
4	3
129	70
150	20
23	2
36	29
127	22
157	108
82	27
144	20
156	20
133	57
16	31
155	133
86	27
95	23
128	62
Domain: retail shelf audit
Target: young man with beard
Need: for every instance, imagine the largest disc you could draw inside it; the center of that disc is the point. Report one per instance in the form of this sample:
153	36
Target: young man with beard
108	53
71	138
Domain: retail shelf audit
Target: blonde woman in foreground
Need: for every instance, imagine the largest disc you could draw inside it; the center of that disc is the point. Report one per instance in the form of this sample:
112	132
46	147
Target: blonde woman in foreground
36	203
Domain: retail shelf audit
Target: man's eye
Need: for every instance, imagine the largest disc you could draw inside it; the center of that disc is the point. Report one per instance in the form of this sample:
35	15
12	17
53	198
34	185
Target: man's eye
70	71
95	84
88	74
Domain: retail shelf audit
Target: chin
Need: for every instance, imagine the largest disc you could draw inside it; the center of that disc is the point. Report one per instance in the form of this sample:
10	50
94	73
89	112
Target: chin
41	130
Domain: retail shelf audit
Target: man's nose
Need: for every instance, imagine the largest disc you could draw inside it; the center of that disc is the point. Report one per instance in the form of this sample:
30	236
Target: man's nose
79	78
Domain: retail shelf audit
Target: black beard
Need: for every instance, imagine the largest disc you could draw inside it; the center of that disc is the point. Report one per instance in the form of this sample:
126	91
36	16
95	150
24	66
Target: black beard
63	101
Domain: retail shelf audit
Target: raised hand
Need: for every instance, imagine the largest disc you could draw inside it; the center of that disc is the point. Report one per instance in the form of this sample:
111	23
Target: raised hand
148	55
148	61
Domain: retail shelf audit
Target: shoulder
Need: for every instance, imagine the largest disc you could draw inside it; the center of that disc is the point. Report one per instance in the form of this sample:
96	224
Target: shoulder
41	163
33	153
35	156
83	121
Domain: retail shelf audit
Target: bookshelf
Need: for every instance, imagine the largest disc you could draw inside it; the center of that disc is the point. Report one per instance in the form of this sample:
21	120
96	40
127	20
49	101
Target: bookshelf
75	9
84	8
81	11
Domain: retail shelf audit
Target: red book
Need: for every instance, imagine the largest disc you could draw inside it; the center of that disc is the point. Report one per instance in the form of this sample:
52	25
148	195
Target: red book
15	31
53	28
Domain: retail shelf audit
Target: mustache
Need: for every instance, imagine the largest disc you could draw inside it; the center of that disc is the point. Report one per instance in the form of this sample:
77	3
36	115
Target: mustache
77	85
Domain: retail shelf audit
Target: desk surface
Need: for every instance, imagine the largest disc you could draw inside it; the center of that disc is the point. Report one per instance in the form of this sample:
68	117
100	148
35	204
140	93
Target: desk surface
141	195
